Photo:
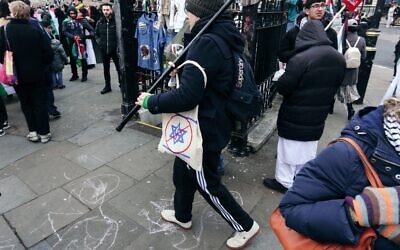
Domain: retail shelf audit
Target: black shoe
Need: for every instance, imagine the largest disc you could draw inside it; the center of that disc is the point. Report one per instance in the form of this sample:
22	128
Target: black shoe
84	79
105	91
55	114
275	185
61	86
74	78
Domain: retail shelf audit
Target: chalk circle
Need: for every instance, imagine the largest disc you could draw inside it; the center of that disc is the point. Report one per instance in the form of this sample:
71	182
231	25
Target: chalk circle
178	148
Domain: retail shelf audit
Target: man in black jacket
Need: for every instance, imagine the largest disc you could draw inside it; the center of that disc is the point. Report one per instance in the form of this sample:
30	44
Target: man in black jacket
215	57
106	37
309	84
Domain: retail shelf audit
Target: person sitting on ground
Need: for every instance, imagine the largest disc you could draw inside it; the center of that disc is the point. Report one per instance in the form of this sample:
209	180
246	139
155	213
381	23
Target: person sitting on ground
322	203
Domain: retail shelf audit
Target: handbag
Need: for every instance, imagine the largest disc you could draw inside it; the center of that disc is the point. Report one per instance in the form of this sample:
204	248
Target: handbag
181	135
7	69
291	240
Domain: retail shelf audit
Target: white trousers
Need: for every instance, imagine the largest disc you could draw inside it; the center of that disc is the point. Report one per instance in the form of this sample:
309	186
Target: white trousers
389	21
291	156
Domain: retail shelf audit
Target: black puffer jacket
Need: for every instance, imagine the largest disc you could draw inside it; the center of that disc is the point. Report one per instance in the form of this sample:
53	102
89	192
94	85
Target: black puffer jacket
217	59
309	84
106	34
287	46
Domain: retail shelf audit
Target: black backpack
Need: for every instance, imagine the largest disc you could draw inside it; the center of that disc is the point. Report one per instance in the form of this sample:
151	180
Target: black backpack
245	101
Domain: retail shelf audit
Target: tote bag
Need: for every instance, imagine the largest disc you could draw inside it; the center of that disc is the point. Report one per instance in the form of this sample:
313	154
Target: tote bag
181	135
7	69
292	240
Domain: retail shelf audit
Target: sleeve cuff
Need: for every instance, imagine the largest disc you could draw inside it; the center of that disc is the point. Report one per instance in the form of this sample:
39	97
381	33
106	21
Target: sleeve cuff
145	102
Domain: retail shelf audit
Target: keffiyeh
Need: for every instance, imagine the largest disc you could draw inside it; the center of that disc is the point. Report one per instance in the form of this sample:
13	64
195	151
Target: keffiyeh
392	131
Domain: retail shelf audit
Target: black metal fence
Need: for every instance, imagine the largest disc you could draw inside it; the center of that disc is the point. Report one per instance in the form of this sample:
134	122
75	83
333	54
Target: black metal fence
262	26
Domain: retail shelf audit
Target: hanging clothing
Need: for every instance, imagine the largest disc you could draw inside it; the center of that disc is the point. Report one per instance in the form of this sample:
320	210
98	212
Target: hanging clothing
151	40
177	15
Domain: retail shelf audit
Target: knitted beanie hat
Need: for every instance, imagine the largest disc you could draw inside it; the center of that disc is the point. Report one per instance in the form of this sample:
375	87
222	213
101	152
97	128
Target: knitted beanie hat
202	8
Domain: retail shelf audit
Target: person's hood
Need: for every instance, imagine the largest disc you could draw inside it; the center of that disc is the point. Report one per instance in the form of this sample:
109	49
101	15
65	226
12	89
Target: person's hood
54	43
225	28
367	126
311	34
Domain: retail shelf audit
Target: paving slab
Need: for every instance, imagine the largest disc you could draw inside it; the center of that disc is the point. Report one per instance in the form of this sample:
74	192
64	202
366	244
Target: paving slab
41	217
13	193
141	162
94	132
75	118
8	240
102	228
92	98
98	186
14	147
147	199
43	245
109	148
261	212
46	170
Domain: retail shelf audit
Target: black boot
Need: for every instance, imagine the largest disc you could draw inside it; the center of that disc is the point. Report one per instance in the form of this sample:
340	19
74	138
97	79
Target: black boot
274	185
350	111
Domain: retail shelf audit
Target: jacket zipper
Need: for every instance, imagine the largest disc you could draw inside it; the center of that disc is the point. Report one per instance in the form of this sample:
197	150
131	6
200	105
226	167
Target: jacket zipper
380	158
107	36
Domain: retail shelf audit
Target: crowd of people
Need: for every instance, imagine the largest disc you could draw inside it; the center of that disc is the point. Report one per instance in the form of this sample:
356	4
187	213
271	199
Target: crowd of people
60	35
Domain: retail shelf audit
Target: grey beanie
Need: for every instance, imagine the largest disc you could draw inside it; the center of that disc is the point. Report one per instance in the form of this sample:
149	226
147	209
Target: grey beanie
202	8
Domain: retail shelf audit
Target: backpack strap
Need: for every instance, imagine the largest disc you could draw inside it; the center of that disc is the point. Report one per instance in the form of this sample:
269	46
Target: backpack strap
358	39
348	44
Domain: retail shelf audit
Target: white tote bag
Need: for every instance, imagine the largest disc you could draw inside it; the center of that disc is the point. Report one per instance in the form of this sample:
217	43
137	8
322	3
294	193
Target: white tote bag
181	135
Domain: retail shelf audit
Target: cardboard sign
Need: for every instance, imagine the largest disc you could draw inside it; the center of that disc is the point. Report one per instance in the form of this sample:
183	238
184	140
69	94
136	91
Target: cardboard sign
352	4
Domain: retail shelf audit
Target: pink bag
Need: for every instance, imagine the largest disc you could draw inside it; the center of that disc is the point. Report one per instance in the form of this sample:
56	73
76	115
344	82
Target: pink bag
7	69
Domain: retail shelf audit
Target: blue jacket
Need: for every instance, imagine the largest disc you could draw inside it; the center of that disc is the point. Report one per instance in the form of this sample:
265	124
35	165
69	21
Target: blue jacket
151	38
217	59
315	206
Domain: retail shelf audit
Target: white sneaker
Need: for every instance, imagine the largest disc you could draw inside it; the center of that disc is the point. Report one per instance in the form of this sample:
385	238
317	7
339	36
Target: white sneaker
2	131
33	136
45	138
5	125
169	215
241	239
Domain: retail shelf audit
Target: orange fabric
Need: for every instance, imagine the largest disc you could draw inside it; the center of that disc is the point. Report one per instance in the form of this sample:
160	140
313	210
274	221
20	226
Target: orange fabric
388	203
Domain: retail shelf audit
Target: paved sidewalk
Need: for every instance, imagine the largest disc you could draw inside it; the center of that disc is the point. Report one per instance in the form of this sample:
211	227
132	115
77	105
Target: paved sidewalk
94	188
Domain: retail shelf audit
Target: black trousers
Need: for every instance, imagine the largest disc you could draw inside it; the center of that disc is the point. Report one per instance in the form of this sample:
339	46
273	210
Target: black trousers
74	68
208	182
3	113
33	97
106	58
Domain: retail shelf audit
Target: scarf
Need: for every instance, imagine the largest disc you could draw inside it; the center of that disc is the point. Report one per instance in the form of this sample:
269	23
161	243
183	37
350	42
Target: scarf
392	131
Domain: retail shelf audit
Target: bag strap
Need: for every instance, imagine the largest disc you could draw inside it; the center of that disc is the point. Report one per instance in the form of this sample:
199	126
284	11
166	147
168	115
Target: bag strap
197	65
358	39
369	170
348	43
5	36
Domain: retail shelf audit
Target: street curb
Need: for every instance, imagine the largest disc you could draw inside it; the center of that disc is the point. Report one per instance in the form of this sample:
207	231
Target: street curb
265	126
